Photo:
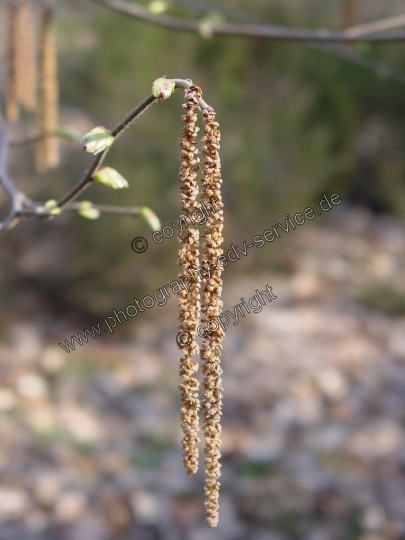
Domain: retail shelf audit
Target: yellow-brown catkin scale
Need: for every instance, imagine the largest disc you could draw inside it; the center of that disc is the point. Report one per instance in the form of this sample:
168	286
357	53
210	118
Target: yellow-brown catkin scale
25	58
212	307
47	150
12	110
189	300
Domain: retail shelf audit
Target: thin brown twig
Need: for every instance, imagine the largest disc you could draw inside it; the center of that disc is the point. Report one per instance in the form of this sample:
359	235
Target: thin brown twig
21	207
39	137
95	166
108	209
377	26
260	31
338	50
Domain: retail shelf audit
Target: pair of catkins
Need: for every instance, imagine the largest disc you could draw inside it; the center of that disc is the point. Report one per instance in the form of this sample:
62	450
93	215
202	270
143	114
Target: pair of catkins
202	299
31	73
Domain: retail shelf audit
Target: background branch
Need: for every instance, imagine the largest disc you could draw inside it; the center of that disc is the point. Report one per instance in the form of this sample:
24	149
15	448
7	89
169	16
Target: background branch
61	133
16	198
377	26
338	50
108	209
260	31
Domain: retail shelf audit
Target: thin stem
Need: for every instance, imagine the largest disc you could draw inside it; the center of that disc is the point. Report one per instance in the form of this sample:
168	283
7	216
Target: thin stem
186	83
132	115
39	137
84	182
260	31
87	177
15	196
22	207
377	26
108	209
75	206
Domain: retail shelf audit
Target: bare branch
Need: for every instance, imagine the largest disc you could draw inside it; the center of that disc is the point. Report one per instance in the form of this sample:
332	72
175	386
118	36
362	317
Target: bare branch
87	178
132	115
95	166
16	198
259	31
84	182
22	207
109	209
339	50
377	26
41	136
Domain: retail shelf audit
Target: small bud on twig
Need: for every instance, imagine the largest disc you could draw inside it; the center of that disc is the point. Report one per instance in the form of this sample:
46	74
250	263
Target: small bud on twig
97	140
51	207
110	177
150	217
87	210
163	88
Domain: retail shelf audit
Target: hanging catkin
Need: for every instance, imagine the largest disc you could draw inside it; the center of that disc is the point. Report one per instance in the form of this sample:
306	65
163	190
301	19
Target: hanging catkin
25	57
12	111
189	302
47	107
212	308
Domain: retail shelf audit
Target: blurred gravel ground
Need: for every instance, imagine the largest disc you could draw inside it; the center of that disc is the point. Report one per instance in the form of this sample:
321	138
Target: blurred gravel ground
313	418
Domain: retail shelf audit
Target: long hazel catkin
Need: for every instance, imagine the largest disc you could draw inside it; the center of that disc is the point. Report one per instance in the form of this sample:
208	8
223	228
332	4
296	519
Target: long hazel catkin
189	303
25	58
211	305
12	110
47	150
21	71
212	308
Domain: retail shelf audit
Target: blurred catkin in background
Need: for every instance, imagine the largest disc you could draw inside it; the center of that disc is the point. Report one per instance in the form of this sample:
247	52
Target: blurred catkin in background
47	150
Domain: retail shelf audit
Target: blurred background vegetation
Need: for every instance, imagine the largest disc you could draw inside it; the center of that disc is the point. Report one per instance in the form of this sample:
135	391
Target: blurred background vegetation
296	121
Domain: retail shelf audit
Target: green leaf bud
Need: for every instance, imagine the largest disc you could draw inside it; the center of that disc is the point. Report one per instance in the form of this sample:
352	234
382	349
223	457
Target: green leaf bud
97	140
51	207
87	210
110	177
163	88
150	217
